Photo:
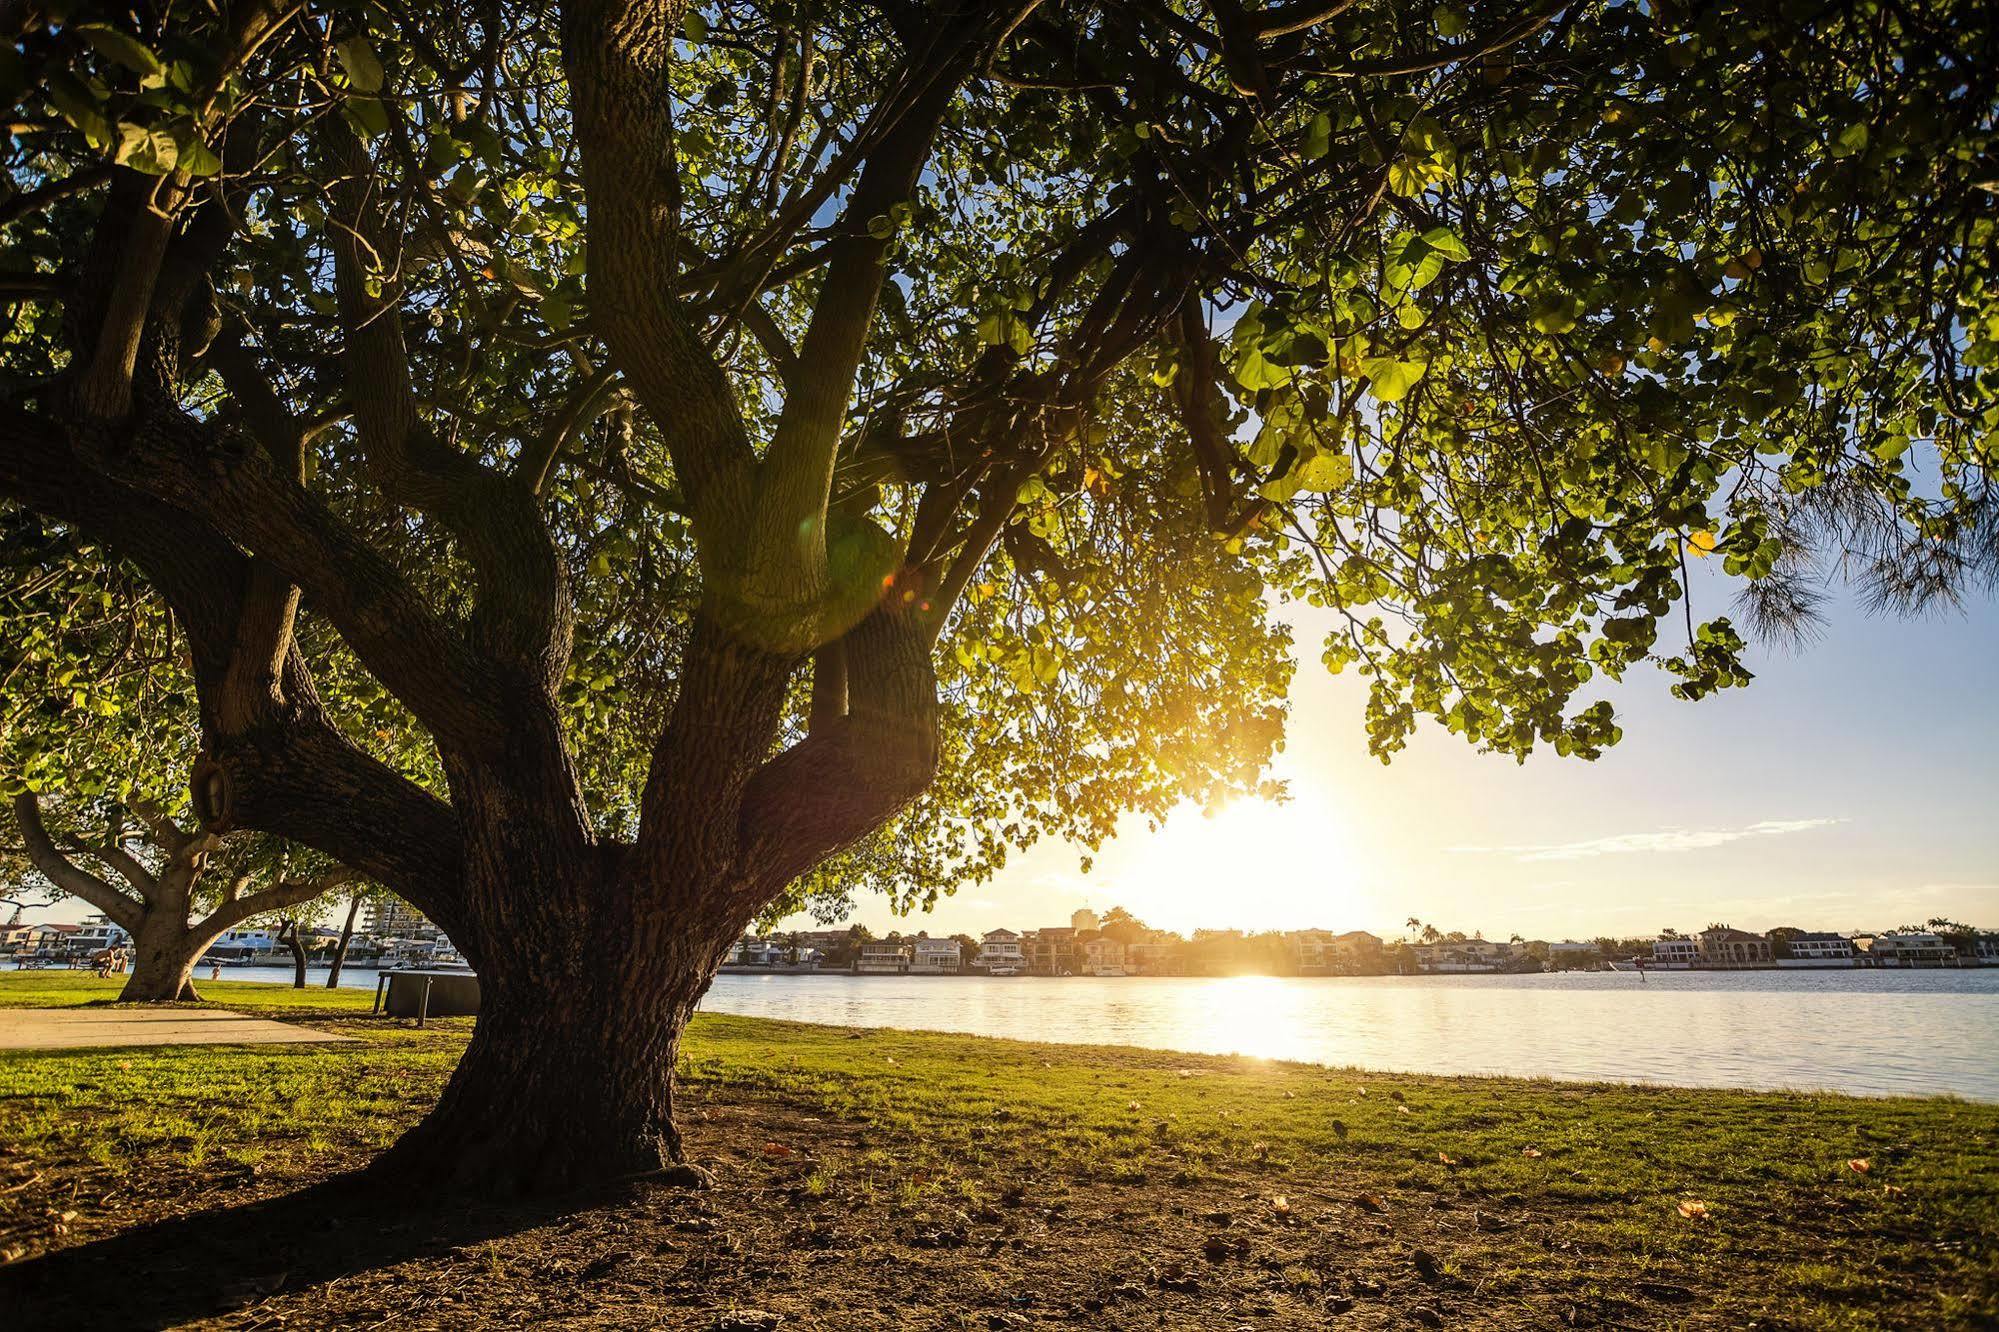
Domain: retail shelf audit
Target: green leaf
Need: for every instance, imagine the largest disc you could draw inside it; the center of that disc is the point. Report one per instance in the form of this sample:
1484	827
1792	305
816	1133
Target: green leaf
1318	136
1852	140
74	101
363	67
1256	371
196	157
694	27
1447	243
1325	471
126	50
368	115
150	151
1391	379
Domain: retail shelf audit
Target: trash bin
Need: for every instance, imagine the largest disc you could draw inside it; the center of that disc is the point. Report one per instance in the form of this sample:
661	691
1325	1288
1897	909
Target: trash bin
428	993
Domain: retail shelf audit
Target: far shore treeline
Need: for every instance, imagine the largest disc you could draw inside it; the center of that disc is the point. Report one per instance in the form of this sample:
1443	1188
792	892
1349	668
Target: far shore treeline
1120	944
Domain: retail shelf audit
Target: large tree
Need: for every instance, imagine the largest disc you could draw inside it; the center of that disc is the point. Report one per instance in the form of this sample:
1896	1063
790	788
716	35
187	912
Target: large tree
181	887
752	437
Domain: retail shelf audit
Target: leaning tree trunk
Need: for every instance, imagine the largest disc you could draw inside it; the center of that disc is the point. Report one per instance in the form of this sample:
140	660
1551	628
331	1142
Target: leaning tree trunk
164	952
290	935
346	937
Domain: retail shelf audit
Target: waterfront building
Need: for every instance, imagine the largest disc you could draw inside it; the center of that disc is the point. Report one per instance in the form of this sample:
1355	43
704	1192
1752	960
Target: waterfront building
936	957
1157	954
393	918
1085	919
1356	953
1312	951
1807	948
1048	950
243	945
1570	954
1101	956
882	957
1721	946
97	934
1000	954
1675	952
1911	949
1465	955
752	952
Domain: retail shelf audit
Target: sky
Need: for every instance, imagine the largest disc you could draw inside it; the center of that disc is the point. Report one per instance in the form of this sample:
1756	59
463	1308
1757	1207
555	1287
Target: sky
1854	785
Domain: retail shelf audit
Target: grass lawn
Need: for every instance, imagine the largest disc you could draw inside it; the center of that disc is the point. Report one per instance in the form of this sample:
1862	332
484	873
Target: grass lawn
892	1179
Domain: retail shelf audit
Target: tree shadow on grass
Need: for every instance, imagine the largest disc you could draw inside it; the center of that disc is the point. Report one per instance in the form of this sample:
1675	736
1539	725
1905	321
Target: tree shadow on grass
210	1263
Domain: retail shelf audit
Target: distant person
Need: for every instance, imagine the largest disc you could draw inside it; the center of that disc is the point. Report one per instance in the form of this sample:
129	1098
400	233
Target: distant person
104	965
215	971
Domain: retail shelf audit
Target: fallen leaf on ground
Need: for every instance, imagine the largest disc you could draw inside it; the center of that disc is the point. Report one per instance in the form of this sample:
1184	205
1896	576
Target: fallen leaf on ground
1693	1210
1530	1152
1860	1165
1447	1158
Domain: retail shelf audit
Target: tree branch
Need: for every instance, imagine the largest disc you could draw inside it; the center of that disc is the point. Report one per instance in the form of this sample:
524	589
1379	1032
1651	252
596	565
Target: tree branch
65	873
522	614
289	770
284	893
846	779
617	55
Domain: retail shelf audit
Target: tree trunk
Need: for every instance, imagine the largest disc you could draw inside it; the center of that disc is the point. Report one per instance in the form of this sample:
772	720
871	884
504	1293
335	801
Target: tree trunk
568	1078
164	951
290	935
346	937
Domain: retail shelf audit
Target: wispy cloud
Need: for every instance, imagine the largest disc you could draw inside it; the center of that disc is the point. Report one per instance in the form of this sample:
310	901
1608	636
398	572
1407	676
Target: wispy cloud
1663	842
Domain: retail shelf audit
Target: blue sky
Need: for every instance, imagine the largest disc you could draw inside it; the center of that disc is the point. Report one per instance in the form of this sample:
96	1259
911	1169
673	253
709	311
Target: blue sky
1853	785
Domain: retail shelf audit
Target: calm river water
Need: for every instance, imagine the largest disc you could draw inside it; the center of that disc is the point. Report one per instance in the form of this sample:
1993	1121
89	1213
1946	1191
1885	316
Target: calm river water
1867	1032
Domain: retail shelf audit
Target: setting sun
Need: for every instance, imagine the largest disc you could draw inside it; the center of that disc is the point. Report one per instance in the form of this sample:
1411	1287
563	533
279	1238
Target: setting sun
1251	865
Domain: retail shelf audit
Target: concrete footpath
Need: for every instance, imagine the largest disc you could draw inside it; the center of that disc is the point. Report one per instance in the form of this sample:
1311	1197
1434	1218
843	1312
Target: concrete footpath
77	1028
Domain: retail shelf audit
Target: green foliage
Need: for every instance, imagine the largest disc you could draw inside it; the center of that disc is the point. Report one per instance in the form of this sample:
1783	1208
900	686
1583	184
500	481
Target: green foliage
1509	325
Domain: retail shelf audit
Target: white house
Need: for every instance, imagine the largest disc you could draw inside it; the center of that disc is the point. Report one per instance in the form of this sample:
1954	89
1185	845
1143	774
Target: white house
1567	954
1676	953
1912	950
243	944
1819	950
99	933
936	957
879	957
1000	954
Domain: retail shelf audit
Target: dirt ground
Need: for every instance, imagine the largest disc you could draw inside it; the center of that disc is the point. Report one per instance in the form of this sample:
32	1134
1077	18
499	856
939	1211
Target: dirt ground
776	1245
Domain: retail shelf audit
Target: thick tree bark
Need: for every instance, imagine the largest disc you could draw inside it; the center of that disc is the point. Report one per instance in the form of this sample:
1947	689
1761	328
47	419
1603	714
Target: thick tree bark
568	1078
346	937
164	951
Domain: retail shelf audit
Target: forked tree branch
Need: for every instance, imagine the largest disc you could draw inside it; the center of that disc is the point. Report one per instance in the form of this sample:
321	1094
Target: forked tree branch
65	873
